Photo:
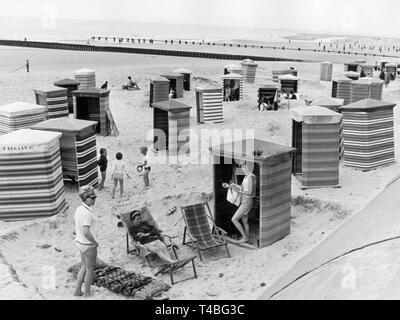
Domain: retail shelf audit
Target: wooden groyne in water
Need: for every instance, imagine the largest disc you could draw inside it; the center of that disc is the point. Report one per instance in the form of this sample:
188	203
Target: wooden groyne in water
119	49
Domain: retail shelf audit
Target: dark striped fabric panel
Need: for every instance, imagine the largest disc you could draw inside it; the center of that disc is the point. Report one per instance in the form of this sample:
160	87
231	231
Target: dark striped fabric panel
359	91
57	105
179	87
87	161
368	139
8	124
31	184
320	161
212	106
343	91
275	200
104	122
160	91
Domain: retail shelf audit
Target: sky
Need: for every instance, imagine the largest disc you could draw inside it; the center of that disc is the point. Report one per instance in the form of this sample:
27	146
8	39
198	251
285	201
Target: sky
341	16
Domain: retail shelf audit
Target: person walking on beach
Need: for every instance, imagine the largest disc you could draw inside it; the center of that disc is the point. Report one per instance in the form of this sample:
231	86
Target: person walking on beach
248	191
84	238
27	66
102	163
146	166
118	173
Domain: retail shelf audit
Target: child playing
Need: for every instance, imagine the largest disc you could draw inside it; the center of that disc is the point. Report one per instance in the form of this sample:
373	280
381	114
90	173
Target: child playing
146	166
102	163
118	173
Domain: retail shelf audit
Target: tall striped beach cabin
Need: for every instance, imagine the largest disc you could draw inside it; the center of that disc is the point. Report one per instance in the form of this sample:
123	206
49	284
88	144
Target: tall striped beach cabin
209	104
368	134
315	135
85	77
269	220
171	124
341	88
55	99
249	70
70	85
31	182
78	149
159	90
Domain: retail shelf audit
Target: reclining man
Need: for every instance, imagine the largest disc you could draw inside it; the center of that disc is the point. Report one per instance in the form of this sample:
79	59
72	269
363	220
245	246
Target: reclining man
149	236
131	84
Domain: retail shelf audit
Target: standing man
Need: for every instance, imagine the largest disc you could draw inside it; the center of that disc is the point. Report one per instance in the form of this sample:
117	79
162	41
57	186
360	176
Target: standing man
102	163
27	65
86	243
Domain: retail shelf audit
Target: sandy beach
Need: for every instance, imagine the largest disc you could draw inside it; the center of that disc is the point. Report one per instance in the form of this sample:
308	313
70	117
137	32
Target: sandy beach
316	213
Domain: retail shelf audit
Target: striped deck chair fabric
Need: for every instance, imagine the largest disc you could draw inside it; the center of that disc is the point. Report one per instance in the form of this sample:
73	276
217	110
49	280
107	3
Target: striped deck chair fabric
202	235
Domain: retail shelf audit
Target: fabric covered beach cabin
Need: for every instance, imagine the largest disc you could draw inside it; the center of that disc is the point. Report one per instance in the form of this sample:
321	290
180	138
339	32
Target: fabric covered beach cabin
326	71
269	219
31	183
186	77
55	99
368	134
315	135
171	122
341	88
175	83
93	104
85	77
376	88
360	90
288	83
209	104
233	68
159	90
277	73
351	66
232	84
249	70
19	115
392	68
70	85
78	149
267	93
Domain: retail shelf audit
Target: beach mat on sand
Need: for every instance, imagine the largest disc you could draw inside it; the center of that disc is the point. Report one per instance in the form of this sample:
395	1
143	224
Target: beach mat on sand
119	281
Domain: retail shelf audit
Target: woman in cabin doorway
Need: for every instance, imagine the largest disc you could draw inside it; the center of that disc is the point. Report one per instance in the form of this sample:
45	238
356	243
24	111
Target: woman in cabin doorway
247	190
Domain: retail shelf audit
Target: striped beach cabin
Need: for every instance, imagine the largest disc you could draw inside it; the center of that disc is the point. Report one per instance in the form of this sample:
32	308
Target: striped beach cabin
360	90
341	88
70	85
269	220
85	77
31	183
78	149
175	83
186	77
326	71
171	124
376	88
368	134
159	90
288	82
232	84
55	99
249	70
93	104
209	104
315	135
19	115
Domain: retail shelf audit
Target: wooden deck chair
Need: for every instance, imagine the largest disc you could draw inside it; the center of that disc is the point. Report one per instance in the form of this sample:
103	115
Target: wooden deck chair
137	248
170	268
197	227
